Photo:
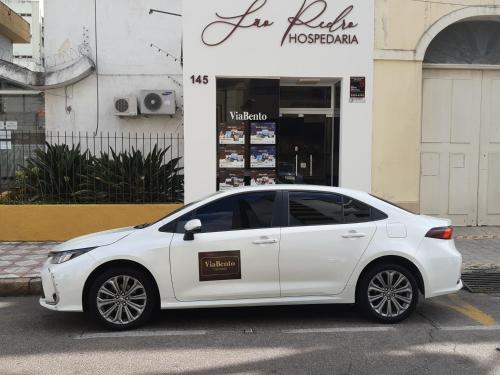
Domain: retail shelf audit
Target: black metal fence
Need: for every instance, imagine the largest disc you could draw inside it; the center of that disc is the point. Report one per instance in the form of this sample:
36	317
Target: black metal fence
82	167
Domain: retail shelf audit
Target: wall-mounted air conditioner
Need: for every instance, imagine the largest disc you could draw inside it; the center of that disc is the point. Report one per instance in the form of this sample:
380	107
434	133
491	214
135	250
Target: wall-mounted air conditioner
125	106
157	102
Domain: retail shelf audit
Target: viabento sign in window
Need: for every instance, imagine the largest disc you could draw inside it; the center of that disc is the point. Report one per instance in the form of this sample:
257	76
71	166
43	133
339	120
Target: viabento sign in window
309	25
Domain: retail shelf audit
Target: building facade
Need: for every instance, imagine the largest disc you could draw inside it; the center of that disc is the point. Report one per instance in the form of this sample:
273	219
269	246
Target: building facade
132	49
436	118
395	97
298	70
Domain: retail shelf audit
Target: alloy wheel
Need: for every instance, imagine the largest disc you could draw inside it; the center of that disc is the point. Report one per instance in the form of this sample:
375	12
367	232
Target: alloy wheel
121	299
390	293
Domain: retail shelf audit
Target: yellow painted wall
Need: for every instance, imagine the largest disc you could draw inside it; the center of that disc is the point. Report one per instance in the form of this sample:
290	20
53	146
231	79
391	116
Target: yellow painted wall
396	131
400	26
62	222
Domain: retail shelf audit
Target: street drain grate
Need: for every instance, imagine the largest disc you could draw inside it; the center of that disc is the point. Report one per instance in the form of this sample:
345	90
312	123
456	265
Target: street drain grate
482	281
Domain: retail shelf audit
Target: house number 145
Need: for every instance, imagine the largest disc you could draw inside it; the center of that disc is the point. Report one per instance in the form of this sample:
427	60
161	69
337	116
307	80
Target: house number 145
200	80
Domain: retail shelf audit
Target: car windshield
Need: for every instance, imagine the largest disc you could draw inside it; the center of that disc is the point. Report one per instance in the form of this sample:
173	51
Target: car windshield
146	225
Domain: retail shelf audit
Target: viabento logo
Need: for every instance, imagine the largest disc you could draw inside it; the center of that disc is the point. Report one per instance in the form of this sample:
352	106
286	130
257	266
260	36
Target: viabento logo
246	116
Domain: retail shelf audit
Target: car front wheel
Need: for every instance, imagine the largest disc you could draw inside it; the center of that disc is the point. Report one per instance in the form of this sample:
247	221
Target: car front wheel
388	293
122	298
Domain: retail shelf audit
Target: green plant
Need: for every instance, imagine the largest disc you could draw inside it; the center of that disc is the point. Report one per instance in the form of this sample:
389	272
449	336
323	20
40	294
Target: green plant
52	175
131	177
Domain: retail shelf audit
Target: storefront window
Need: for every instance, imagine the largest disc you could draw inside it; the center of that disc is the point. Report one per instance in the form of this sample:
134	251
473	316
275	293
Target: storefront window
305	97
258	146
247	121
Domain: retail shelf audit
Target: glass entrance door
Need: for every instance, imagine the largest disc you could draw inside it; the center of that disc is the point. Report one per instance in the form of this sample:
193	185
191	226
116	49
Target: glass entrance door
308	150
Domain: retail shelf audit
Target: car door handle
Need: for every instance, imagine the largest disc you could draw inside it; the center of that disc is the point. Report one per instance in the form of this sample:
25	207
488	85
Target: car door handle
354	235
265	241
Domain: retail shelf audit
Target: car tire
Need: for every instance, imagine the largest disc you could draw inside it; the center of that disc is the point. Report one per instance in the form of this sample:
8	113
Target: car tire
387	293
122	298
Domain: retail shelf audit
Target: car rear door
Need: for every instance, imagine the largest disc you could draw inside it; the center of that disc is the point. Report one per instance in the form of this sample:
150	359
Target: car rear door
325	237
236	254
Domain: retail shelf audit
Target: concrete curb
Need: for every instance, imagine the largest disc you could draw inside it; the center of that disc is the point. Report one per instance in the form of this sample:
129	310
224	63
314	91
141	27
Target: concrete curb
22	286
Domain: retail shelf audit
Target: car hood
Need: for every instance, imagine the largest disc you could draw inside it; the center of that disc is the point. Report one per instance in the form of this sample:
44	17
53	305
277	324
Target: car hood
95	239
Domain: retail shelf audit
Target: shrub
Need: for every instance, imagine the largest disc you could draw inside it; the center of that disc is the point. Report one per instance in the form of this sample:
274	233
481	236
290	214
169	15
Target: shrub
60	174
131	177
52	175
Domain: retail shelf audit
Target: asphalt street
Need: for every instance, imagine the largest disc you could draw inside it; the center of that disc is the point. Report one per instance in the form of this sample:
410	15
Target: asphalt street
457	334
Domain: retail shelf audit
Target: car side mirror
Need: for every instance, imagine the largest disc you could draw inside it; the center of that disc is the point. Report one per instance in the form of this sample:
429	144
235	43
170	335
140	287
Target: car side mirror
191	227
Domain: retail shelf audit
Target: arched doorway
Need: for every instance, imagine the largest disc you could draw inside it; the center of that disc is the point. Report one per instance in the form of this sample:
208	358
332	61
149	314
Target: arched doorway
460	159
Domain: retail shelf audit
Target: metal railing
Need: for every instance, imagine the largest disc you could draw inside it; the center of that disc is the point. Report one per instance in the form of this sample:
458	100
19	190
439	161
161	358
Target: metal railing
81	167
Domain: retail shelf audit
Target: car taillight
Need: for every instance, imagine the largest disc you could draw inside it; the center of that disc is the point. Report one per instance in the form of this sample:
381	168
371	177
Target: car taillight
443	233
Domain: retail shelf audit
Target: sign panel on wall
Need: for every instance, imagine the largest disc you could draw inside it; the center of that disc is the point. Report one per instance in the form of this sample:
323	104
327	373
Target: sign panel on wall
309	24
357	89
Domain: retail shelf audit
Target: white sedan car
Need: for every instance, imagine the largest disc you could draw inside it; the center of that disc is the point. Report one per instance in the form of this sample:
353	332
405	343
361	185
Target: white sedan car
258	246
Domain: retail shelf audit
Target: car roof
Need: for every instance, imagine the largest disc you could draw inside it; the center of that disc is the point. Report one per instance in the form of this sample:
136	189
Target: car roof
294	187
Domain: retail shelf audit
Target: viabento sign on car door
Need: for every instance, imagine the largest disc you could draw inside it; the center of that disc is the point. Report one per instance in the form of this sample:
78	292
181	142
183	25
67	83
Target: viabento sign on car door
235	255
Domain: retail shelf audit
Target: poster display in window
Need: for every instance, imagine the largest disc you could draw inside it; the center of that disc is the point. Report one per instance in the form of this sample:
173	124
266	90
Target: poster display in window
231	157
263	133
262	157
262	178
231	180
232	134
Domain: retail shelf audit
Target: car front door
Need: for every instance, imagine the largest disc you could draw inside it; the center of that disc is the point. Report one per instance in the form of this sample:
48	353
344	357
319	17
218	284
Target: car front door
235	256
326	235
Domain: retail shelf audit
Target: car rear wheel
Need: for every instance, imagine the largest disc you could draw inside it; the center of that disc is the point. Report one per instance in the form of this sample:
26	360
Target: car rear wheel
122	298
388	293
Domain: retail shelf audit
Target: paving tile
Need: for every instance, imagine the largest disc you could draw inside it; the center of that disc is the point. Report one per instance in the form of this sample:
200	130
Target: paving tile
10	257
37	257
26	263
17	270
20	251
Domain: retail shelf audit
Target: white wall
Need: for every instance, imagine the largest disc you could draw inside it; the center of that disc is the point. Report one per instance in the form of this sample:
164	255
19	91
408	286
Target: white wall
5	48
126	62
256	52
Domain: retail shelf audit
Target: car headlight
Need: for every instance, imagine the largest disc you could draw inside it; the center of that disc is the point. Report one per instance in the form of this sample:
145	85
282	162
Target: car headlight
64	256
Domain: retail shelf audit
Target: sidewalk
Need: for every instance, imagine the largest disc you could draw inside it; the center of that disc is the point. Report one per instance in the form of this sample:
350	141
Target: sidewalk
20	262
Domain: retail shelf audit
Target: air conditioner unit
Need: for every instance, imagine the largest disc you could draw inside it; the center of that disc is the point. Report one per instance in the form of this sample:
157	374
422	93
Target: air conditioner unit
125	106
157	102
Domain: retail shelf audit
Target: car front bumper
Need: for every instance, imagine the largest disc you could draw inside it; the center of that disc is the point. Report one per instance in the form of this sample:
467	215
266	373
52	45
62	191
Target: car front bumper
62	285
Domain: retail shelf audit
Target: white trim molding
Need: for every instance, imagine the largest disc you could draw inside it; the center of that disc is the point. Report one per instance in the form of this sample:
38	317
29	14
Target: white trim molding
461	66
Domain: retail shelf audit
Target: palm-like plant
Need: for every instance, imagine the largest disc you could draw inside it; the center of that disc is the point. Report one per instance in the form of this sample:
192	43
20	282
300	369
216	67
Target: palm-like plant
53	174
131	177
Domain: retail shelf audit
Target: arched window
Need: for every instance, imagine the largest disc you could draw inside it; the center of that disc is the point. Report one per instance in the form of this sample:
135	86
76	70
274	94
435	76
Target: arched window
469	42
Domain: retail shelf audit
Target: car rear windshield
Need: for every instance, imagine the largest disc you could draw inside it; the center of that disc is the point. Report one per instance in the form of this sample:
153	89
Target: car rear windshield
392	204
